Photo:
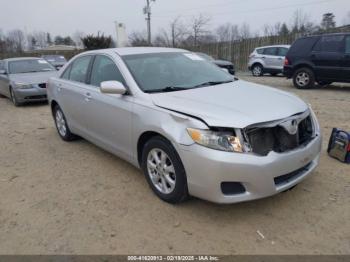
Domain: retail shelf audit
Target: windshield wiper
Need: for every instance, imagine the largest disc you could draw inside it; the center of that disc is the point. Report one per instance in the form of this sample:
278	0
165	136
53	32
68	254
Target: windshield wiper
167	89
212	83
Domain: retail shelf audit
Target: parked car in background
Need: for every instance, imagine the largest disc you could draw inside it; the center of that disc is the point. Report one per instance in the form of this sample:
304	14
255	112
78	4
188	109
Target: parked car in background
267	60
192	128
226	65
323	59
24	79
56	60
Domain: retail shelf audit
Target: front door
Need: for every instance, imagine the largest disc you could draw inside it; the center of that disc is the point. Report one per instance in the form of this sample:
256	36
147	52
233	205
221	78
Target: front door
109	116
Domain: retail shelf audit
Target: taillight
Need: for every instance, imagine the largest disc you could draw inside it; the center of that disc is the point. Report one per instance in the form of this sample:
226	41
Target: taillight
286	61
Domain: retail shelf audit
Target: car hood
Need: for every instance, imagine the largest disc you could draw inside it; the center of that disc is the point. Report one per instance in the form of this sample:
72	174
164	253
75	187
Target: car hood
238	104
33	78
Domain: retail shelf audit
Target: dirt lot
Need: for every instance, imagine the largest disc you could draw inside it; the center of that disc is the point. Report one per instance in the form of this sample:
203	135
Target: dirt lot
74	198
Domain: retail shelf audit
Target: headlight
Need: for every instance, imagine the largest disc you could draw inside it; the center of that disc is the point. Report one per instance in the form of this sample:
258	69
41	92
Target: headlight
23	86
224	141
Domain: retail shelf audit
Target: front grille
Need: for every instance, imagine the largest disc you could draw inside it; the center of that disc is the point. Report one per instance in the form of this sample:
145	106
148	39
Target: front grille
42	85
285	179
35	97
278	139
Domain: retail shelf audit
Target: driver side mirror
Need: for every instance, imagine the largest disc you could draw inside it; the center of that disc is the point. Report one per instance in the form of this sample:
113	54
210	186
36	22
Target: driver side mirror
3	72
112	87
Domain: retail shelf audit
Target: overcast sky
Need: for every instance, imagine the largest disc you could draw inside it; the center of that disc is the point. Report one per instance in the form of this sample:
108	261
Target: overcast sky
67	16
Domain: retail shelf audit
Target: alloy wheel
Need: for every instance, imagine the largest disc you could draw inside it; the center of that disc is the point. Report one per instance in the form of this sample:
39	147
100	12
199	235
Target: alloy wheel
61	123
303	79
257	71
161	171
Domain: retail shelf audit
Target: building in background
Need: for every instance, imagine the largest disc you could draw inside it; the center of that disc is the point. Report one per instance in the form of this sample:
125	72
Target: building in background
122	37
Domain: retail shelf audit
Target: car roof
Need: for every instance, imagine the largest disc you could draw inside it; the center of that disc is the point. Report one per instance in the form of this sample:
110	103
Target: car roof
137	50
287	46
19	58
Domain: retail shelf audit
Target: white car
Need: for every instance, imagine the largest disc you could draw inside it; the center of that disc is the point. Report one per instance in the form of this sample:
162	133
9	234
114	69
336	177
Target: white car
267	59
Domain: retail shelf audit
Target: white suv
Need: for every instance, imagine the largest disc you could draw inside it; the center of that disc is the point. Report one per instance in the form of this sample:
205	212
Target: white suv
267	59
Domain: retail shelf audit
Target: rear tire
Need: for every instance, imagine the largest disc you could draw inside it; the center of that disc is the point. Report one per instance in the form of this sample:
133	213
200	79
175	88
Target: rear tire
62	126
257	70
304	78
164	170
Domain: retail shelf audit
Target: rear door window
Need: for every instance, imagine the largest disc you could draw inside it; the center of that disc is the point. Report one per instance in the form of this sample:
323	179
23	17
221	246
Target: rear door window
282	51
80	69
347	45
260	51
332	43
303	46
270	51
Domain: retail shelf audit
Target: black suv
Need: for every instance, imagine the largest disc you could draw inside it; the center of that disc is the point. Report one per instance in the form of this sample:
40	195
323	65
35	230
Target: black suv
323	59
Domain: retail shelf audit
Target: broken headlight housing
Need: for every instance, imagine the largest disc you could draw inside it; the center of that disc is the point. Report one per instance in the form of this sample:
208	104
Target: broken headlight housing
218	140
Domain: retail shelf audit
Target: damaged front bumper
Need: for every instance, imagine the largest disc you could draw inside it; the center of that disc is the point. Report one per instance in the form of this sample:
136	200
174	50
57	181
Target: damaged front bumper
226	177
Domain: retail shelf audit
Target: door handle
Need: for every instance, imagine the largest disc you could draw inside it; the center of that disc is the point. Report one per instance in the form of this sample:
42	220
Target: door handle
263	57
88	97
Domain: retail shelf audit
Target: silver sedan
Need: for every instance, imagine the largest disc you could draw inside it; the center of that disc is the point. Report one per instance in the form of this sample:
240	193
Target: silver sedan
24	79
192	128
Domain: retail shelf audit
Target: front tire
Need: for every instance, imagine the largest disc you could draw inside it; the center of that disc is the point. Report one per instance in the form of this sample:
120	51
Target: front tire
304	78
257	70
164	170
14	98
62	126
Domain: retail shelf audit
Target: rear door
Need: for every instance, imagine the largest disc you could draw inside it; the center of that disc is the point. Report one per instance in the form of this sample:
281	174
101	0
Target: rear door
327	55
108	115
270	58
73	94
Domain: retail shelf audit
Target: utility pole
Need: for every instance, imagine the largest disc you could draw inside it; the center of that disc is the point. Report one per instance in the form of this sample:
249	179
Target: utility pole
147	12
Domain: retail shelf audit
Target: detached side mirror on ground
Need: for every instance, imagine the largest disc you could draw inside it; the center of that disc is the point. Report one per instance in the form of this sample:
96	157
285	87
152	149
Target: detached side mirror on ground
113	87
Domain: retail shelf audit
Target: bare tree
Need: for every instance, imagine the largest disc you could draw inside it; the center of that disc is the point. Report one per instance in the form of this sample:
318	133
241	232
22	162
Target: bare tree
272	30
178	31
244	31
17	40
199	27
41	39
162	39
138	39
227	32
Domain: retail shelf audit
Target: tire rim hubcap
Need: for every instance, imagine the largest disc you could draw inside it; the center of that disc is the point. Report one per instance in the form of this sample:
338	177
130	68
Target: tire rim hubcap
303	79
257	70
61	123
161	171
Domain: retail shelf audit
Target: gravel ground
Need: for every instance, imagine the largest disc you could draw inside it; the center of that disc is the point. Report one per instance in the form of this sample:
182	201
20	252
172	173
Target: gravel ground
75	198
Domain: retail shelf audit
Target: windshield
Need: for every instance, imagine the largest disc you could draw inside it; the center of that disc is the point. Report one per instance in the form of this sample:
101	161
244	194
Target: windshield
55	58
30	66
173	71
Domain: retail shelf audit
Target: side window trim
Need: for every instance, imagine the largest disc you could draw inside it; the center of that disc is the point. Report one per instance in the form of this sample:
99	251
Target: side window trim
67	70
88	75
